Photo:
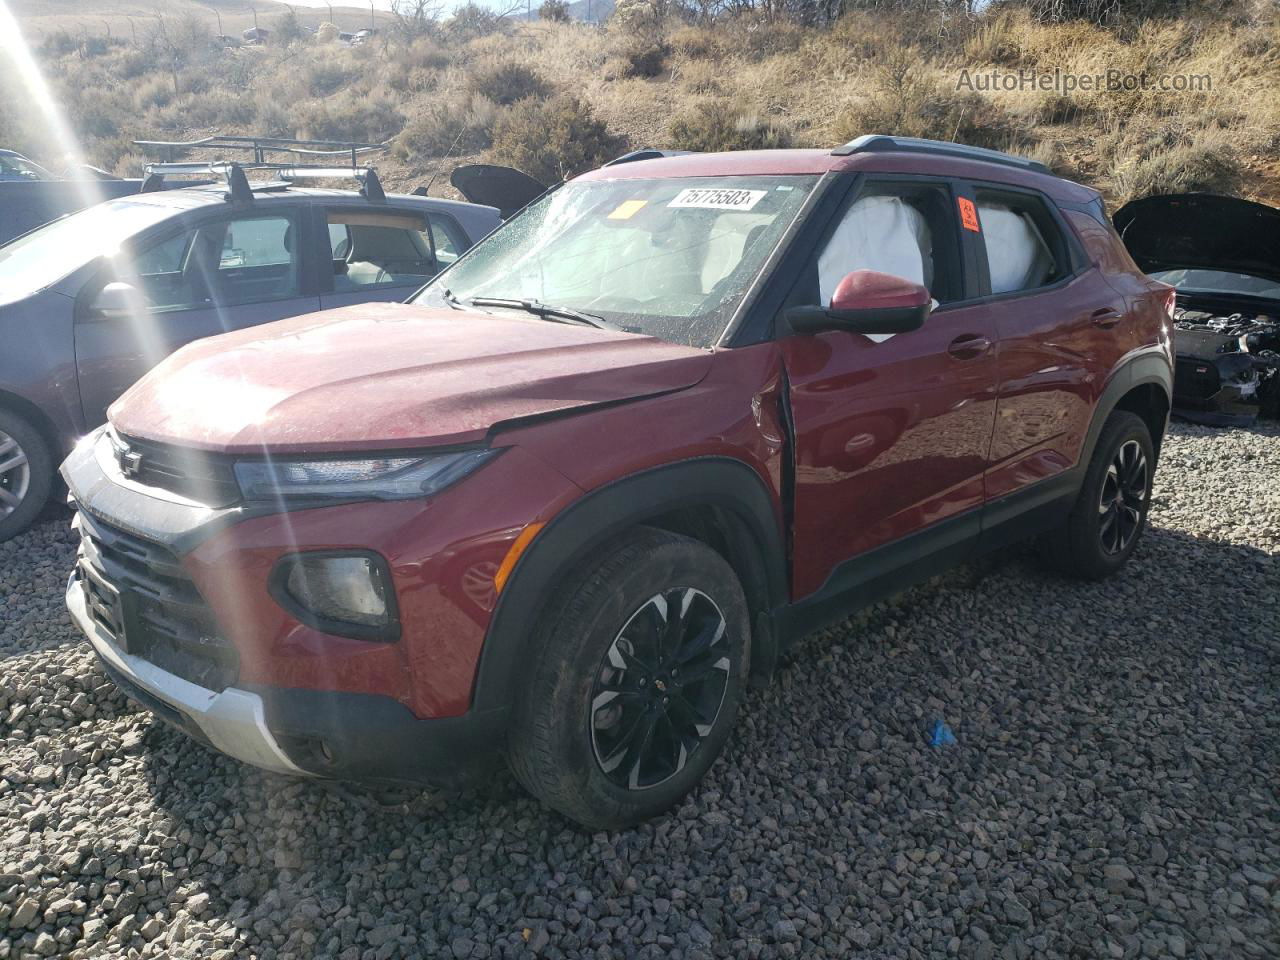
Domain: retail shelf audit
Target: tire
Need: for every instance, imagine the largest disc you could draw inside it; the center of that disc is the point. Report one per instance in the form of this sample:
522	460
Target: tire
1110	513
26	474
568	743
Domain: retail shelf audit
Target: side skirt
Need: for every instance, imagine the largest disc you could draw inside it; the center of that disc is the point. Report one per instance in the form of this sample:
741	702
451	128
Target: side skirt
892	568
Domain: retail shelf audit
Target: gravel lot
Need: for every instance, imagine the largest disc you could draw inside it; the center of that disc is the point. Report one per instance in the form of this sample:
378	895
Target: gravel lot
1113	791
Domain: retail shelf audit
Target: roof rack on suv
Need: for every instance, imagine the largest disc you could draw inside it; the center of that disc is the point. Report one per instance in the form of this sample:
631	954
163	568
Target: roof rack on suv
262	146
239	189
880	143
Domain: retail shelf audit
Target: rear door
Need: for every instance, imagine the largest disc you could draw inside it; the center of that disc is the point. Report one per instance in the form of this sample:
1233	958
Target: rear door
1058	326
892	433
222	273
384	253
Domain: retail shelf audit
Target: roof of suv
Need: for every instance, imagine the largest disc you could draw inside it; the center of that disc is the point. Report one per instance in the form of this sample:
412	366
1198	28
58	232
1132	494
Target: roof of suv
794	162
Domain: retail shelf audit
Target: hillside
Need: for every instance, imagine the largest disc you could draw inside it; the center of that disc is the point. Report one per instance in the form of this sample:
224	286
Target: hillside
126	18
555	98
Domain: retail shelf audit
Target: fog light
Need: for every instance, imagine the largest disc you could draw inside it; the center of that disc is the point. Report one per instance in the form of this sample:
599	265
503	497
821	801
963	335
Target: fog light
348	594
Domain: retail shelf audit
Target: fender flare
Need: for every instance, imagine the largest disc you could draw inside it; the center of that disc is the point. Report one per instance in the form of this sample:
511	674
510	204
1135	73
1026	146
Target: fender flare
601	515
1149	368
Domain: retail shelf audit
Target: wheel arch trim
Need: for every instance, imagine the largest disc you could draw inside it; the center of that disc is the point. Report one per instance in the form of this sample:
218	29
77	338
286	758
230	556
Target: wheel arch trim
724	483
1148	369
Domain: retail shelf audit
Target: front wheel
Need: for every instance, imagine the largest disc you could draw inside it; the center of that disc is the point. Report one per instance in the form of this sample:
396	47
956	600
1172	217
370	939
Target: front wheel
26	474
1111	511
635	681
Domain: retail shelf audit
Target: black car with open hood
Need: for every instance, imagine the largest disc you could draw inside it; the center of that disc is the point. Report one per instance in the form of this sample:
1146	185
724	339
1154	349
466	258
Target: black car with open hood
1223	256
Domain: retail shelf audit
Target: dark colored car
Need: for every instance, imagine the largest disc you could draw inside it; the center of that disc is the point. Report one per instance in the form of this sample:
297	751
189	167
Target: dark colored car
92	301
1223	256
14	166
672	416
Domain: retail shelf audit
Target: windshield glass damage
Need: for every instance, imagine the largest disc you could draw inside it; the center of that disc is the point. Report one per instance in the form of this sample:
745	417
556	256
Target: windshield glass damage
671	258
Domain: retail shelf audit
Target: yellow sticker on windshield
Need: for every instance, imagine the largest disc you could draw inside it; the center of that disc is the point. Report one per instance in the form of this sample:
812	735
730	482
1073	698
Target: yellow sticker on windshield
627	209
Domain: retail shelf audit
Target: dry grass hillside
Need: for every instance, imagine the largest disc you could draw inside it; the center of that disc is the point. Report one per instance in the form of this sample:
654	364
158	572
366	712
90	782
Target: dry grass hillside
555	98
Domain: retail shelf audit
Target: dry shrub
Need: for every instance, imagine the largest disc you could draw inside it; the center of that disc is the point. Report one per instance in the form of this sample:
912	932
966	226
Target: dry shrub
472	21
504	81
153	92
697	43
717	125
636	55
553	139
415	67
370	118
323	76
906	104
1206	162
448	126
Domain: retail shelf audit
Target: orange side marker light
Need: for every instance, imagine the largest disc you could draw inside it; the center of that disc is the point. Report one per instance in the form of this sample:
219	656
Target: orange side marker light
514	553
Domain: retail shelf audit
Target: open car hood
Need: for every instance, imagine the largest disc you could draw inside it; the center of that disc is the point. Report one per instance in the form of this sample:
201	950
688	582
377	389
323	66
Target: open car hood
1202	231
391	376
503	187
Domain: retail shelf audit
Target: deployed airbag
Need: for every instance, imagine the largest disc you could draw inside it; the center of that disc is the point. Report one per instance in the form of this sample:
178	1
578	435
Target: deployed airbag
1017	255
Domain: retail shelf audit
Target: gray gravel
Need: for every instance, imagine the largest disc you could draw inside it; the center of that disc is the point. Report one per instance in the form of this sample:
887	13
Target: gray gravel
1113	790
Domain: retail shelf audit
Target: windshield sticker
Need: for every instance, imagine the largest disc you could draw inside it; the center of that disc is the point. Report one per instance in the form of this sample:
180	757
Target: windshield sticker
703	198
968	214
627	209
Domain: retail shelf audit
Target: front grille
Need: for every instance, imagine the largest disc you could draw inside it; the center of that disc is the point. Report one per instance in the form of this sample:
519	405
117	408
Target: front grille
198	475
139	594
1195	379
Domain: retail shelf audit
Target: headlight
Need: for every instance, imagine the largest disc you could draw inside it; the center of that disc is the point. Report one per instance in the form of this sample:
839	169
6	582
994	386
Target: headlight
345	593
374	478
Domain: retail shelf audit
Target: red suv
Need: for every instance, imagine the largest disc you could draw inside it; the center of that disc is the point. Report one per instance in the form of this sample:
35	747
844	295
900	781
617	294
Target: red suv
565	503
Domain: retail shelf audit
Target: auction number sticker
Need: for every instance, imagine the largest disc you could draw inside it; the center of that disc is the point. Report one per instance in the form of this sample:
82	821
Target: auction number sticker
717	198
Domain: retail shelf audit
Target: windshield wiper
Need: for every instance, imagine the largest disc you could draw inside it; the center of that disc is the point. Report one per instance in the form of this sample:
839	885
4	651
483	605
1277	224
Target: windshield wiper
546	311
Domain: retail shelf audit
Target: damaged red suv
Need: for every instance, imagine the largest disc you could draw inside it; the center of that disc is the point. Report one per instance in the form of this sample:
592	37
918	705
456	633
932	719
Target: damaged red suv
565	503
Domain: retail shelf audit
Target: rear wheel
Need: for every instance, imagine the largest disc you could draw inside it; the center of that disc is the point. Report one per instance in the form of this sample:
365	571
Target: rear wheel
1111	512
635	683
26	474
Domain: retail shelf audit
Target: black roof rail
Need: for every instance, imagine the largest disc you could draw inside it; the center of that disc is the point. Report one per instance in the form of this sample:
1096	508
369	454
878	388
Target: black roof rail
239	190
647	153
880	143
261	147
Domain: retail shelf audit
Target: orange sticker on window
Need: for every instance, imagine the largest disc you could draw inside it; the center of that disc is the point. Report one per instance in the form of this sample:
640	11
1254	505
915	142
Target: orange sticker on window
968	214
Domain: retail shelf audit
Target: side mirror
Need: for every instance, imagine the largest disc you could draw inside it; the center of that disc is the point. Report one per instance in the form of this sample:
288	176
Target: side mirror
117	299
867	301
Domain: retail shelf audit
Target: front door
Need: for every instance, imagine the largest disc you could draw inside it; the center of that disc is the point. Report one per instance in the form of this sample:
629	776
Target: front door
892	433
223	274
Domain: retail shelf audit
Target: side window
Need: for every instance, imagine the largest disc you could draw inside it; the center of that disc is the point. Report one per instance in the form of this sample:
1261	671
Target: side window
451	242
167	256
903	229
1025	248
169	274
379	249
257	259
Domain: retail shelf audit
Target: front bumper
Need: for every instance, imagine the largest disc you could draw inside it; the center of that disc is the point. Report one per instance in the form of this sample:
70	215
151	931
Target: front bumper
232	720
279	694
318	733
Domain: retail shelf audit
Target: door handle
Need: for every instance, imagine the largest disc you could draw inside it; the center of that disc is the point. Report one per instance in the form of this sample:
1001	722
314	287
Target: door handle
969	346
1106	317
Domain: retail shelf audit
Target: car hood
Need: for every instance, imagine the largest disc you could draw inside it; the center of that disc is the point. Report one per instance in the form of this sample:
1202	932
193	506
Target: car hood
1202	231
506	188
386	375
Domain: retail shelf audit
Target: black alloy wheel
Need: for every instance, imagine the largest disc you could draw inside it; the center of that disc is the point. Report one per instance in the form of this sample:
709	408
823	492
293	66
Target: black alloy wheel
1123	497
659	688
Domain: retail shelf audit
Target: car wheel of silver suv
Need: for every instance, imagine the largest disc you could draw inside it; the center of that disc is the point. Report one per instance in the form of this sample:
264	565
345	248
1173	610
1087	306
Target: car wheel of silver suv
26	474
